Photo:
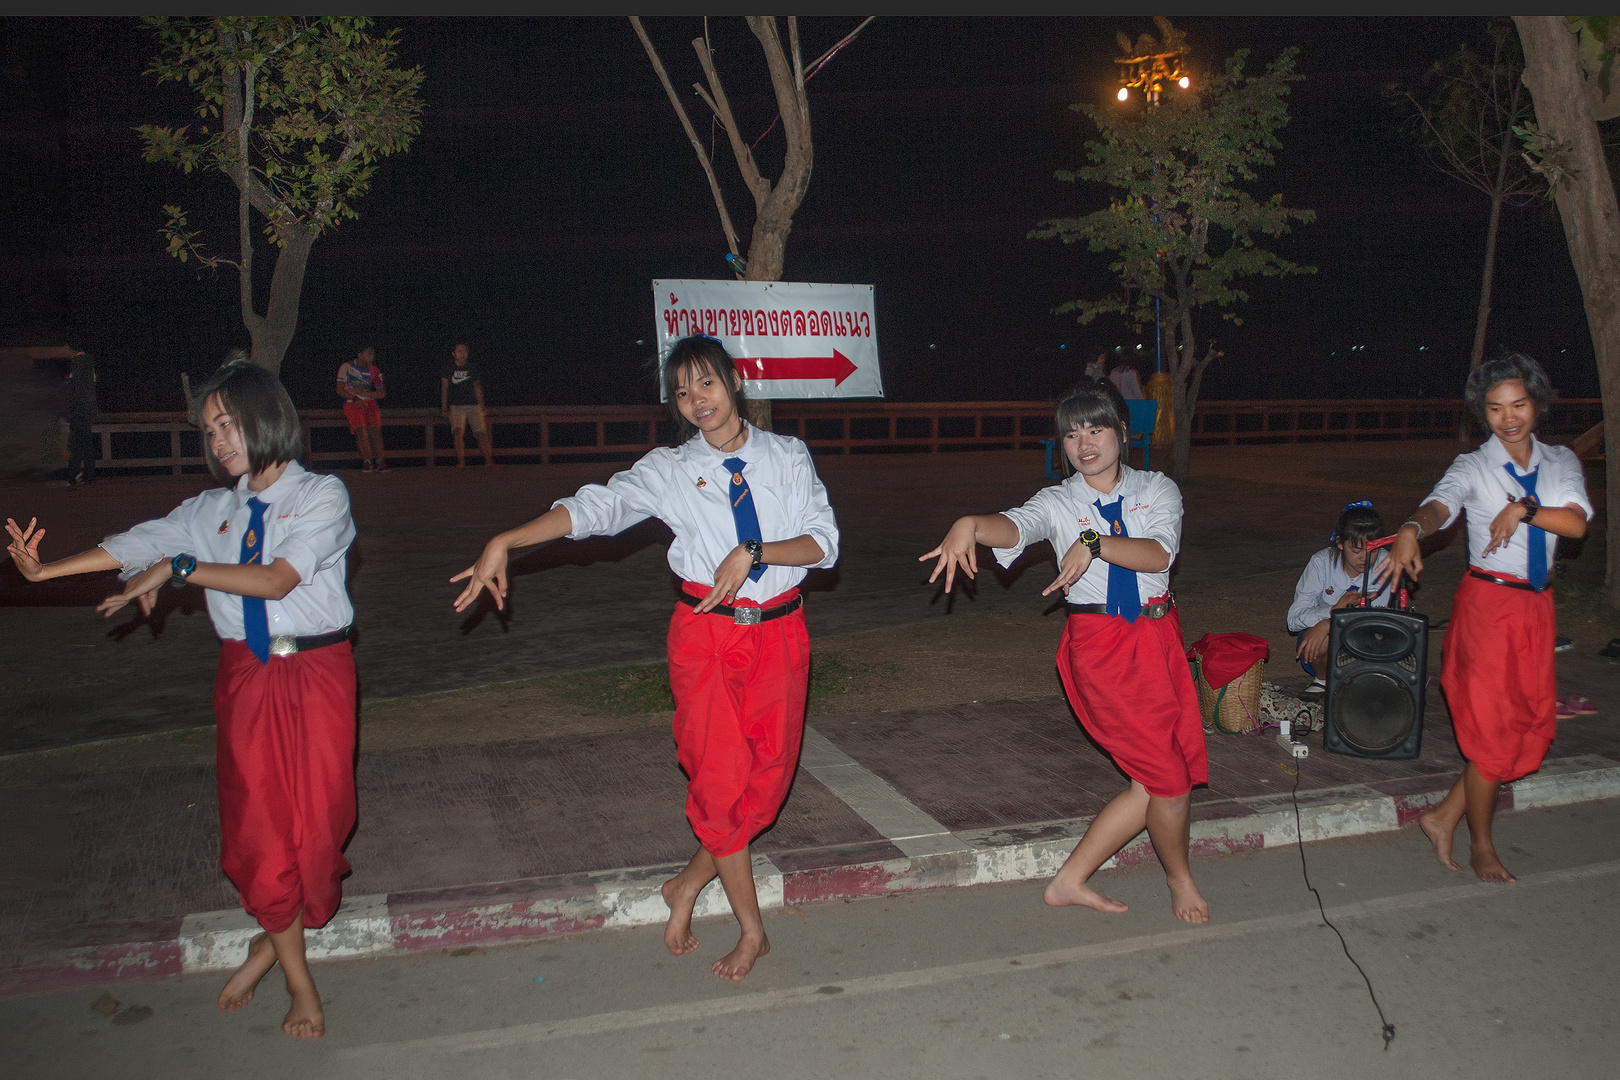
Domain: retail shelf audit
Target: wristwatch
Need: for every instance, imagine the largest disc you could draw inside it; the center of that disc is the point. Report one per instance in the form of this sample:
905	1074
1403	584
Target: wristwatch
1093	540
756	551
180	568
1530	508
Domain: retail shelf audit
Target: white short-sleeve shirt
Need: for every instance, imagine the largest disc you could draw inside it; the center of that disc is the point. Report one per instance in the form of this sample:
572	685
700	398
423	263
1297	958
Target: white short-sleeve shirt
688	487
1324	584
1478	483
306	522
1061	513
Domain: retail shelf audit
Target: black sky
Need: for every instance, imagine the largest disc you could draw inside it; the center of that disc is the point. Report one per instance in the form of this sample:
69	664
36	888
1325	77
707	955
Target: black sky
551	183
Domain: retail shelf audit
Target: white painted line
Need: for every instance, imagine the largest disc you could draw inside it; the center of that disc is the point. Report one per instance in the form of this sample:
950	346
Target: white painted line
376	1054
895	817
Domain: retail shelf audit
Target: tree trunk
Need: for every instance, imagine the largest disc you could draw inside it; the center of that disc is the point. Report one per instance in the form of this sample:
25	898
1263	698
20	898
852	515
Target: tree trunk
1587	207
1180	347
1477	355
274	331
767	252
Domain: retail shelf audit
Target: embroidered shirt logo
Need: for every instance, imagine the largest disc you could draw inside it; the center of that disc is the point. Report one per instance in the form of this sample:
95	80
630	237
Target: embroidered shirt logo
224	527
1119	529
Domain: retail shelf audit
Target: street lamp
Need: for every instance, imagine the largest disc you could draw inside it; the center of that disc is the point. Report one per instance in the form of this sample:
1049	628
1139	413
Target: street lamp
1147	73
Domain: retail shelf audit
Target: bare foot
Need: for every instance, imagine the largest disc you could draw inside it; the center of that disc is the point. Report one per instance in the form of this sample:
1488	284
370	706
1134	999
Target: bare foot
1187	902
740	961
1060	893
306	1019
678	931
240	986
1490	868
1440	837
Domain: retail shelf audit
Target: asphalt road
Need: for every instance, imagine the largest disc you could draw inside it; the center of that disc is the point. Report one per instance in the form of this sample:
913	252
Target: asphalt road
1479	981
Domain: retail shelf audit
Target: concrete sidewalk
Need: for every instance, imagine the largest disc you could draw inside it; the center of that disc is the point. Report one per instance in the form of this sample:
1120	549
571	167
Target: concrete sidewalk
114	875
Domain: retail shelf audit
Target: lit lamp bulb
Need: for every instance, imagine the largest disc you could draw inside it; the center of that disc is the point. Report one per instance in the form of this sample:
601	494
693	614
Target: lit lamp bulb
1184	82
1124	93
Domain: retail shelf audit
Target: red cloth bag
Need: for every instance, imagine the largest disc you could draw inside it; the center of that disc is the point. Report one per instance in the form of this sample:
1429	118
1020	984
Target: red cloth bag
1226	656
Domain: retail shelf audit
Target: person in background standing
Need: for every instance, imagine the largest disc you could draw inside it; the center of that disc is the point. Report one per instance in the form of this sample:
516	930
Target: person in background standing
1098	368
81	418
461	399
360	385
1124	379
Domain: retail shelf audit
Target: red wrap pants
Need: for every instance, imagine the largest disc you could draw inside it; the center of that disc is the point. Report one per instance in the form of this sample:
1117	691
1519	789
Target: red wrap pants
1500	680
286	780
1132	688
739	717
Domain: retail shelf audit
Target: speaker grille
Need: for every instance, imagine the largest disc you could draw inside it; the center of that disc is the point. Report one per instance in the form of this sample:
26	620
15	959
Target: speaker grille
1372	711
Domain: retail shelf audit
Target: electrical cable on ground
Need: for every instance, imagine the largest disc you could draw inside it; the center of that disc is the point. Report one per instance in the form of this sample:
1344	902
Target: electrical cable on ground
1388	1030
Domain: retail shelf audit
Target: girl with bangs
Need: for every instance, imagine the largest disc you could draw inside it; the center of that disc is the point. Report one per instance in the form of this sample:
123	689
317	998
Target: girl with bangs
750	516
270	548
1121	658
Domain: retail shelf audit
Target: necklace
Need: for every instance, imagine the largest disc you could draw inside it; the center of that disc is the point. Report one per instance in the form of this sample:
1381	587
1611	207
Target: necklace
742	430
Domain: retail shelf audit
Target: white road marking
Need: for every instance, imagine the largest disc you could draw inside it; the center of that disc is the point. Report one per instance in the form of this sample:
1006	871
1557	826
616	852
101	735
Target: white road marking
686	1012
895	817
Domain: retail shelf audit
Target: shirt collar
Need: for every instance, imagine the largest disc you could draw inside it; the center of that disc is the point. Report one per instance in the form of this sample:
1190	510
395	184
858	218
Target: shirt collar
1092	495
1497	454
750	451
284	485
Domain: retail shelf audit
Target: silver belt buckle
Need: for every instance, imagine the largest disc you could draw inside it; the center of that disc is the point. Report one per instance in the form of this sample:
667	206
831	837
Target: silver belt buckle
745	616
1159	608
284	645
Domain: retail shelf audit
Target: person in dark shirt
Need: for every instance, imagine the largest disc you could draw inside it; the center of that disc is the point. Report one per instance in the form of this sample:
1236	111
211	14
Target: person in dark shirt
461	399
81	417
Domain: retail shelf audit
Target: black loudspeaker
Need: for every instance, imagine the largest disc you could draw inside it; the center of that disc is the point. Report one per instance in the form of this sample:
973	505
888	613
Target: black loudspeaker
1377	665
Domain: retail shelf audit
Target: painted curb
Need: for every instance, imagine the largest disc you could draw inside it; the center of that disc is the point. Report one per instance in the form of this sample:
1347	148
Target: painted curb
380	924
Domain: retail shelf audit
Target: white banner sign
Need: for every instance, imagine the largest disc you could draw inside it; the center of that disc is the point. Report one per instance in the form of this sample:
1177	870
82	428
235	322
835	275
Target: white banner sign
790	339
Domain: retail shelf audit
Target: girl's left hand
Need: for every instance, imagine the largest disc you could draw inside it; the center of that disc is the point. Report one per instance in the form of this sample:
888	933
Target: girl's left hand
24	548
142	588
1075	563
1504	525
728	578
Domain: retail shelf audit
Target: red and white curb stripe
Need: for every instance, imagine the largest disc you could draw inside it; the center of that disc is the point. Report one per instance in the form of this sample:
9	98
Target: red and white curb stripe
931	857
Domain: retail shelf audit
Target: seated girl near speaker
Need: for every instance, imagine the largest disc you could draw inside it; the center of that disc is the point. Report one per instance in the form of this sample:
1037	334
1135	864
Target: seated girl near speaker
1497	668
1116	531
1332	580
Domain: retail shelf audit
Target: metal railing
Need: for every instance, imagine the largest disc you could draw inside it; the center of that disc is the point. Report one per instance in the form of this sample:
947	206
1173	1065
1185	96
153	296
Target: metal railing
581	433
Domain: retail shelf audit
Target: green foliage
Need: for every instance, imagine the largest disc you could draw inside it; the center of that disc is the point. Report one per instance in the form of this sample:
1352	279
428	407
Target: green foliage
315	103
1180	224
1598	37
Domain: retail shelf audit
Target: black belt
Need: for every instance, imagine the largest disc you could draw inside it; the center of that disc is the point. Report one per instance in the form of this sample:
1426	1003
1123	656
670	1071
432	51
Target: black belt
747	616
287	644
1494	580
1158	609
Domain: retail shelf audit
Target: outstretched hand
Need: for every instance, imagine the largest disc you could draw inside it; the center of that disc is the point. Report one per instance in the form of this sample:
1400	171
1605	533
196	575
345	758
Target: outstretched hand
1404	557
960	548
142	588
1073	566
24	548
489	572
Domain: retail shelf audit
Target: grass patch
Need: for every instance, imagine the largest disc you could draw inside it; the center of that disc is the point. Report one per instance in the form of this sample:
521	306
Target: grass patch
634	689
1392	476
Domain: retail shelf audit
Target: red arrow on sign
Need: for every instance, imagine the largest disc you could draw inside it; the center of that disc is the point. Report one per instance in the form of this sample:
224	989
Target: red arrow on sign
836	367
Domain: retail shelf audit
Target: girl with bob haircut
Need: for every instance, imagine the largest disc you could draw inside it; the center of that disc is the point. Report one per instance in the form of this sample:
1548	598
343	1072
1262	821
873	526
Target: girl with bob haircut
1331	581
1520	495
749	516
269	549
1123	666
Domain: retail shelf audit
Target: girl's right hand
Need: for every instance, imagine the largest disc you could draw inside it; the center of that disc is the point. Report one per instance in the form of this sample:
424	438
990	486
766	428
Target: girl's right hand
959	548
24	549
489	572
1405	557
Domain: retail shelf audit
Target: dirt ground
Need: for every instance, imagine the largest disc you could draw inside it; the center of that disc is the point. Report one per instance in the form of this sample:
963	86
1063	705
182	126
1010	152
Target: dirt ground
969	657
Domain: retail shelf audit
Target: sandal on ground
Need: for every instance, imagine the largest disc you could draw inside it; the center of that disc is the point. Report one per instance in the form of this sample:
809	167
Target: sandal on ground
1611	650
1564	712
1580	706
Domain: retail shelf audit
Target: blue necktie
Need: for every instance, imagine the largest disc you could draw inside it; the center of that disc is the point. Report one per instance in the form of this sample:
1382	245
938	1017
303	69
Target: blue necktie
742	510
254	619
1536	571
1124	598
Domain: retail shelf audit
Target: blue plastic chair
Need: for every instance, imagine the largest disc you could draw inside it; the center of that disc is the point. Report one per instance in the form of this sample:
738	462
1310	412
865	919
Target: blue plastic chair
1144	414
